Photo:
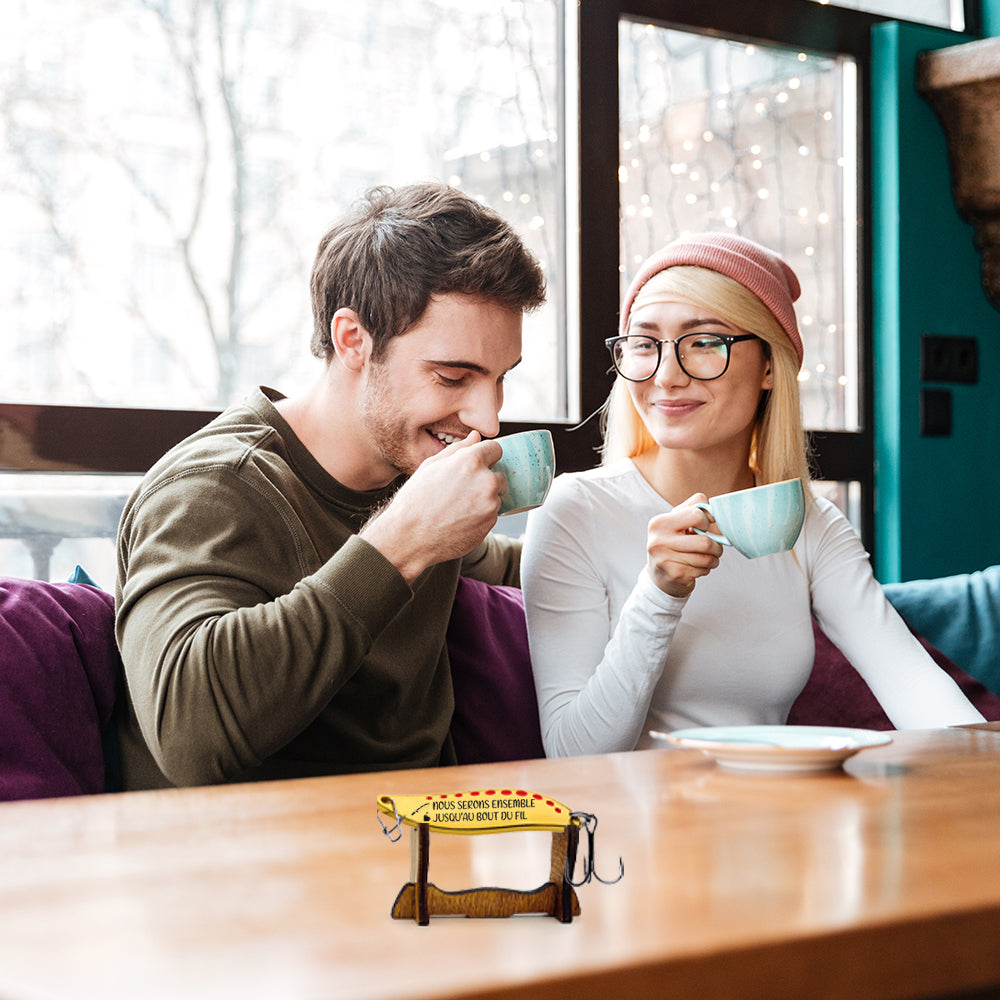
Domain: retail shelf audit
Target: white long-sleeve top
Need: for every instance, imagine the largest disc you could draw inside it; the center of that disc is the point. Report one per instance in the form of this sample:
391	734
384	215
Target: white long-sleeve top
614	656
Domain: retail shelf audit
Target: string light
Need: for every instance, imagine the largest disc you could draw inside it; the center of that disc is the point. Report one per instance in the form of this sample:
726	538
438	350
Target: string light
694	167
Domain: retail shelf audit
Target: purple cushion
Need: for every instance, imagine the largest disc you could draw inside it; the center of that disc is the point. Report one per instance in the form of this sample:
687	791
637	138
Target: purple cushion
837	695
58	669
496	713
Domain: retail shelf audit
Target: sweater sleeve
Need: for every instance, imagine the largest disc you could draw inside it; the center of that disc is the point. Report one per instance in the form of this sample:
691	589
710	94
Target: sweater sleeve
853	612
496	560
234	633
594	678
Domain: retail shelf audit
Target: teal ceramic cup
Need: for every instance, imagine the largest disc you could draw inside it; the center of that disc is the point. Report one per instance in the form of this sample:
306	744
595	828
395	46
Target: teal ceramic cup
760	521
529	463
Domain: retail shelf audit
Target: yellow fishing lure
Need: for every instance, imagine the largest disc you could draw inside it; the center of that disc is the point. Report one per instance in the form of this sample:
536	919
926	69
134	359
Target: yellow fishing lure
490	810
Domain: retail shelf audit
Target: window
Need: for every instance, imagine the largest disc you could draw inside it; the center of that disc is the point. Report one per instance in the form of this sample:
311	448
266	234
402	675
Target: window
169	167
183	159
718	134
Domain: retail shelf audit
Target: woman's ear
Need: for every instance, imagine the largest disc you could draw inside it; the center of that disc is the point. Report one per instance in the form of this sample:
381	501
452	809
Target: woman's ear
351	341
767	382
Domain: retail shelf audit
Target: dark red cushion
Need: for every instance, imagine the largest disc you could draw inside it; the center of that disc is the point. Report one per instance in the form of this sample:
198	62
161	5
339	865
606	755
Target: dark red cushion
58	670
496	712
837	695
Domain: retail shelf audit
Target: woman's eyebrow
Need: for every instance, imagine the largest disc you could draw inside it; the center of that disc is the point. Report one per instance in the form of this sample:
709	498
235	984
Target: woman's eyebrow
689	324
704	321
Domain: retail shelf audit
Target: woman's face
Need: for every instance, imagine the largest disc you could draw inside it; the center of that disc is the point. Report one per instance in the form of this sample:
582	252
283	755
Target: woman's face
684	413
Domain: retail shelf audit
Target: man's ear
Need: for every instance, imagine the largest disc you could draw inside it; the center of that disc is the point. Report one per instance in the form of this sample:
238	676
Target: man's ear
351	341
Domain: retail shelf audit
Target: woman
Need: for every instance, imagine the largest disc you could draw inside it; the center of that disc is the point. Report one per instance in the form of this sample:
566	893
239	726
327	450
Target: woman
636	622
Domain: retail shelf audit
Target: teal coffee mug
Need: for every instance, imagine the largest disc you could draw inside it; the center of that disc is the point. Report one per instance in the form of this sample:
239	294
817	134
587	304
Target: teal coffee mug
529	463
760	521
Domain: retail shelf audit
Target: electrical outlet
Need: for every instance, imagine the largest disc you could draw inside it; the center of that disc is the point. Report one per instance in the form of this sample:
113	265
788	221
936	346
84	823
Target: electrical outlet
949	359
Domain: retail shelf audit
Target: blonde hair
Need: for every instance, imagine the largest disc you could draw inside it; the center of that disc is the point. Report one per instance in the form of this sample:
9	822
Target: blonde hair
779	448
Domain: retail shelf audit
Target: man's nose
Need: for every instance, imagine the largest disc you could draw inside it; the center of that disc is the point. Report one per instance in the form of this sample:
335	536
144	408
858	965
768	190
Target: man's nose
481	410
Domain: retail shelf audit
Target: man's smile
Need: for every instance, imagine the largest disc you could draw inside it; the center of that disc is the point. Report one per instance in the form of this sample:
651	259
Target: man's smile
447	438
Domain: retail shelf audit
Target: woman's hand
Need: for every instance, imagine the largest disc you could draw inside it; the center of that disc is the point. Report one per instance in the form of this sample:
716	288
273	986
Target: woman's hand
675	555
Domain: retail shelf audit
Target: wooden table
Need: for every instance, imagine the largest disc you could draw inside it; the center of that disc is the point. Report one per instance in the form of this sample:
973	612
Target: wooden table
882	880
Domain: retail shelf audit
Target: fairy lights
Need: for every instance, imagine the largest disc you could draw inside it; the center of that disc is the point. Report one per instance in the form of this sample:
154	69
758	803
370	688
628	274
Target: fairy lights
749	138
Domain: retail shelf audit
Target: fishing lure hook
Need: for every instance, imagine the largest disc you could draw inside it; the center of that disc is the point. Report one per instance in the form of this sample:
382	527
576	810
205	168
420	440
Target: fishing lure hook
589	823
397	829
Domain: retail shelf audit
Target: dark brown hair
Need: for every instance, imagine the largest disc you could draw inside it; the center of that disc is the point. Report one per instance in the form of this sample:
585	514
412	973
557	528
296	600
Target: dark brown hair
400	246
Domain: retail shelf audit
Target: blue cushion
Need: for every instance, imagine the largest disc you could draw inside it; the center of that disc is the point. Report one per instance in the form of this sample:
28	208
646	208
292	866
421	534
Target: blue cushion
496	711
80	575
958	614
59	666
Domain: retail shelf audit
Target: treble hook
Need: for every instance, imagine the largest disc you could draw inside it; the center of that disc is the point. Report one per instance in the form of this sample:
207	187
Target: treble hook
589	822
389	831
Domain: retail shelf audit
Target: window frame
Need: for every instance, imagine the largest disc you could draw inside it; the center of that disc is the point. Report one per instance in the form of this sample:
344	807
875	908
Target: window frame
128	440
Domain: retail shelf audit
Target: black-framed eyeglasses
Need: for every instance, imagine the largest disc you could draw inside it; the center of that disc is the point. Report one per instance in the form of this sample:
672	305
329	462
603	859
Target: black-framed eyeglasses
702	356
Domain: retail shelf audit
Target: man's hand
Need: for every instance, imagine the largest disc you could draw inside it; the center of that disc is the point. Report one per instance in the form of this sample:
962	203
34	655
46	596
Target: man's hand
676	556
444	510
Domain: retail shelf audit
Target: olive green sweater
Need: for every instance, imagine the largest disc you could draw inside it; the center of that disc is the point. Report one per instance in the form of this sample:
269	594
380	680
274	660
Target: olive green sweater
261	637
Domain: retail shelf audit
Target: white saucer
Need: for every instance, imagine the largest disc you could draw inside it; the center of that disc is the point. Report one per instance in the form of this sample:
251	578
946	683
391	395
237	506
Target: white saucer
776	748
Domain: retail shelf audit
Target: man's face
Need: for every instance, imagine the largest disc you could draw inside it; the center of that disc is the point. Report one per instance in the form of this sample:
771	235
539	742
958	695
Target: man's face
438	381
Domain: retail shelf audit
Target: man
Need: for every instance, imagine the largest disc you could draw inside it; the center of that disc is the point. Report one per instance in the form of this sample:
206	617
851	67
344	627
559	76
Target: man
286	574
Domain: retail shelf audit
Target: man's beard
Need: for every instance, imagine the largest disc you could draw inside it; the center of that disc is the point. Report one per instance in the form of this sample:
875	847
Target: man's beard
389	434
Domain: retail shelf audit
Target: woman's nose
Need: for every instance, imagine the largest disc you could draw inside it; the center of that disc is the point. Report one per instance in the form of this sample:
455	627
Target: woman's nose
669	371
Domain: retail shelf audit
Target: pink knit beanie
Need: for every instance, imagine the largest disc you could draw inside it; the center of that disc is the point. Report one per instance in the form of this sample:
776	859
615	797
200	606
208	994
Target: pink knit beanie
755	267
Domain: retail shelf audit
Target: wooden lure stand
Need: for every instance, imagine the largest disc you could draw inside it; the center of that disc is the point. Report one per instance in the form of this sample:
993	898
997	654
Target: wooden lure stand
484	812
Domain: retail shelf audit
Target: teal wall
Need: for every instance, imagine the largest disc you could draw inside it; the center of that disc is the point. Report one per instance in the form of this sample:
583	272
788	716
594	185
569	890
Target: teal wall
935	496
990	11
